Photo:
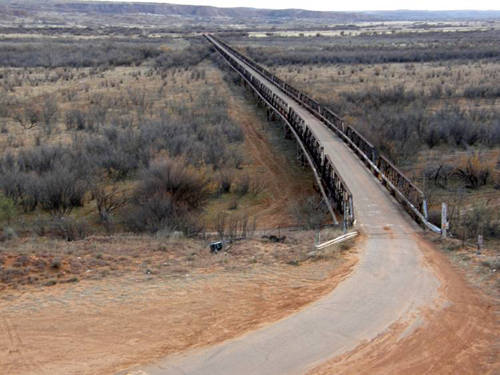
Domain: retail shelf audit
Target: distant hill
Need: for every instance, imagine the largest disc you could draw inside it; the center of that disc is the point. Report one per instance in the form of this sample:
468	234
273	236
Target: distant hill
74	12
174	10
439	15
198	11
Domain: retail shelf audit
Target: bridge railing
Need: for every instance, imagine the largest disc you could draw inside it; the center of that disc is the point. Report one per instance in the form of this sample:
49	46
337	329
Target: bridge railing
332	186
405	191
335	187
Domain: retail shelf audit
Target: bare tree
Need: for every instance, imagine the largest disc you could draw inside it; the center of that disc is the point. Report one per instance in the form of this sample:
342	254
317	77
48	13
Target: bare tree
220	224
28	116
108	200
474	171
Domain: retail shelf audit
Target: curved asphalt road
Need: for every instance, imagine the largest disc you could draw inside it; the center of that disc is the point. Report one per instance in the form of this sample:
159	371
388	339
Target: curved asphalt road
388	284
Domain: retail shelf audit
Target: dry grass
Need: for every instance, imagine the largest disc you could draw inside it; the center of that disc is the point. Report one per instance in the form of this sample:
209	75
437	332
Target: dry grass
120	91
26	263
132	95
328	83
325	83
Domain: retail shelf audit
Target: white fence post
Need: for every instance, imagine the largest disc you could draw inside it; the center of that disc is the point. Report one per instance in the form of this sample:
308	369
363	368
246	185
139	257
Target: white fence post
444	219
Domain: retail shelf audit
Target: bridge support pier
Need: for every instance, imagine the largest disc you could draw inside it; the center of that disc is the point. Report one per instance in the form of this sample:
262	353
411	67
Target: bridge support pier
300	156
288	133
270	115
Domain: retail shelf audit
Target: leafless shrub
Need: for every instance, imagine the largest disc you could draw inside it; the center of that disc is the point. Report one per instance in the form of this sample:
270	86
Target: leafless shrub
75	120
61	190
28	116
439	175
397	120
233	204
22	188
6	103
187	57
79	53
224	182
97	113
482	219
171	177
473	171
140	99
48	113
166	198
310	212
483	91
65	228
108	200
371	49
243	185
53	178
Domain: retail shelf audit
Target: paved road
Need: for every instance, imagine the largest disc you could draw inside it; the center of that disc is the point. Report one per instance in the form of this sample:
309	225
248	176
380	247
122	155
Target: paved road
389	283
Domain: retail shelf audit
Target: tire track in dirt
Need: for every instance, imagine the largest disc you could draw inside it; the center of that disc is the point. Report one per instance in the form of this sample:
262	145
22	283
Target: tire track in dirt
103	327
282	181
19	359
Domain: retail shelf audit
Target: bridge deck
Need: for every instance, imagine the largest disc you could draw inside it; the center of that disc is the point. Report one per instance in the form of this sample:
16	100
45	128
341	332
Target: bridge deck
388	284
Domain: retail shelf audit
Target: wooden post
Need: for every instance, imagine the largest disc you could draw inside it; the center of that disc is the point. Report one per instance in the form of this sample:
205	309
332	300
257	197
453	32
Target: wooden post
480	243
444	220
424	209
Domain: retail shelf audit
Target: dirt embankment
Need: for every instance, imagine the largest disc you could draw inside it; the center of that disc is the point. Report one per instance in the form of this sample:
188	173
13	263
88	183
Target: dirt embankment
459	336
102	326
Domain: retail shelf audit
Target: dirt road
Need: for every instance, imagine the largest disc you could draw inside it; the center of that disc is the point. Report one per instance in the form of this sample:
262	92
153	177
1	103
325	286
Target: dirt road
105	325
392	284
461	337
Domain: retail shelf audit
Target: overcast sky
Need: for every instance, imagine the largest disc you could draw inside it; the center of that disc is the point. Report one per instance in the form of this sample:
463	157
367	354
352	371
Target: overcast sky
345	5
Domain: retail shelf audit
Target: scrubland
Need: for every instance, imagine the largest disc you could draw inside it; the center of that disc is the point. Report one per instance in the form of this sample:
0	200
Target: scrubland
123	156
147	137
